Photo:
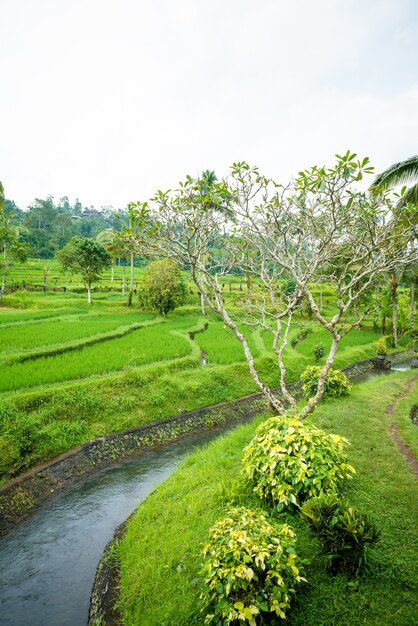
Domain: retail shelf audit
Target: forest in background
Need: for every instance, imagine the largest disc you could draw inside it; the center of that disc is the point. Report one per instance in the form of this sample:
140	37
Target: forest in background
46	225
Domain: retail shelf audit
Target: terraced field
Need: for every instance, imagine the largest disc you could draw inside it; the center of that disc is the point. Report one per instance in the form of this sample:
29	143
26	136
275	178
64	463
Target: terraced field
70	373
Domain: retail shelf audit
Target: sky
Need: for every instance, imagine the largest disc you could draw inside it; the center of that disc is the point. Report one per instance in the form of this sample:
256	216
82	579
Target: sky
109	100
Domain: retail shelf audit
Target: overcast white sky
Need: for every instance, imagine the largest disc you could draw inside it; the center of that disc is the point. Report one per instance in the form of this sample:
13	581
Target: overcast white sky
108	100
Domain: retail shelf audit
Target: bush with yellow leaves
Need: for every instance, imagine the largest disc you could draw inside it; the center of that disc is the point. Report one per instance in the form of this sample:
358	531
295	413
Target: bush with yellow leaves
250	570
289	461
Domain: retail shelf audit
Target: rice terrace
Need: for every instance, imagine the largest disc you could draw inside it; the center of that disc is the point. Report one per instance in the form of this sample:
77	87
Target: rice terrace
208	405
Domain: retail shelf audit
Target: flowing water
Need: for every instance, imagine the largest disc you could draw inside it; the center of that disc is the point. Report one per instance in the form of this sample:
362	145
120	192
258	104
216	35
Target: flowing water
400	367
48	563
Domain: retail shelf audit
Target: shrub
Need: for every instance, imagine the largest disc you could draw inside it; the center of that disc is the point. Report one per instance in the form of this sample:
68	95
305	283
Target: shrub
381	346
342	531
164	288
304	332
319	351
336	383
250	569
289	461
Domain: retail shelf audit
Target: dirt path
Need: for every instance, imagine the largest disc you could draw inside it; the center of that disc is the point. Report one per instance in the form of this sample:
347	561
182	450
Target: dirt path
403	448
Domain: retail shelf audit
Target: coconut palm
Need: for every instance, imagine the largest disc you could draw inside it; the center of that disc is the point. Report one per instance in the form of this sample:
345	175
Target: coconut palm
404	172
107	238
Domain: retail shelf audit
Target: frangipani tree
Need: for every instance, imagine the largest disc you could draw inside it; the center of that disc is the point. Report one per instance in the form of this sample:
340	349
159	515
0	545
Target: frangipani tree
316	228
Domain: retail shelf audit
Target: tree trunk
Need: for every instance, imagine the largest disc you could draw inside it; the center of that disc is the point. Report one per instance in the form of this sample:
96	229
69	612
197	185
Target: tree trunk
313	402
131	282
394	287
279	354
275	403
383	327
357	316
248	280
202	297
89	293
123	276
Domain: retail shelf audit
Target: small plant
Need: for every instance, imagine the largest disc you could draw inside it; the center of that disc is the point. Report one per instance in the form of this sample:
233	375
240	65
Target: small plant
381	347
342	531
304	332
250	569
336	383
319	351
289	461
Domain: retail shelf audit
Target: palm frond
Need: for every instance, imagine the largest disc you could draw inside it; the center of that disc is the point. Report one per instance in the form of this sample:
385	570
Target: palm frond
410	195
397	174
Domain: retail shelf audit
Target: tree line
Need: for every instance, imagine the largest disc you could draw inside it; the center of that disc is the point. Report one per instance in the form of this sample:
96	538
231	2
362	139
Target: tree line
47	225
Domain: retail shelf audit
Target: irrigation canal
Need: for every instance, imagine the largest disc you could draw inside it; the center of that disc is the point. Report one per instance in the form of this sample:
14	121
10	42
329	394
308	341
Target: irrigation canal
48	563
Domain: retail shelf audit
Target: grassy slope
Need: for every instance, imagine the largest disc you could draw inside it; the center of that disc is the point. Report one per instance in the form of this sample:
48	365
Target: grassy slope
37	425
160	553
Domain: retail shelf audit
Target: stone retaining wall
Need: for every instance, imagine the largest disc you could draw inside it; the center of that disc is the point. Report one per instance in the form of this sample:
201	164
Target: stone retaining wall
23	495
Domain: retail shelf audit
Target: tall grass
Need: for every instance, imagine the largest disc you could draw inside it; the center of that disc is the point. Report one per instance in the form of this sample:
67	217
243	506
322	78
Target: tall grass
353	339
18	316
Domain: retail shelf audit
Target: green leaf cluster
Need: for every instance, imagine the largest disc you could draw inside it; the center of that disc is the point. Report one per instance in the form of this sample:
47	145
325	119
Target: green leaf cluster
289	461
319	351
381	346
336	383
343	531
250	569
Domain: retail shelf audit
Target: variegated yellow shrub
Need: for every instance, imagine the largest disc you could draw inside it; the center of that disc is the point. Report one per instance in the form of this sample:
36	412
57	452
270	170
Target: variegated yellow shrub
289	461
250	570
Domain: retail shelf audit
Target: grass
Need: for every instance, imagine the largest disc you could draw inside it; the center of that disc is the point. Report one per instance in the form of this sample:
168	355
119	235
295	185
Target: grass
354	339
49	332
221	345
146	345
404	424
160	554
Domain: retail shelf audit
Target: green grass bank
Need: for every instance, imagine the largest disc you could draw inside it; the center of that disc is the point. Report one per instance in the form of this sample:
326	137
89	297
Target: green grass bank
160	554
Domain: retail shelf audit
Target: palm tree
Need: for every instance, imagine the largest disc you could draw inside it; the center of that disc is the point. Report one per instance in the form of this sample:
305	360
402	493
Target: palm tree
107	238
404	172
118	244
213	197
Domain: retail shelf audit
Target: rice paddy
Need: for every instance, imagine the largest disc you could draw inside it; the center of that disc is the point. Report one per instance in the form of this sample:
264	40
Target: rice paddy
70	372
145	345
55	331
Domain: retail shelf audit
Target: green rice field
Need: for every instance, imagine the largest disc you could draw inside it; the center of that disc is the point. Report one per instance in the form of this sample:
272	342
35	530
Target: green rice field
70	372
